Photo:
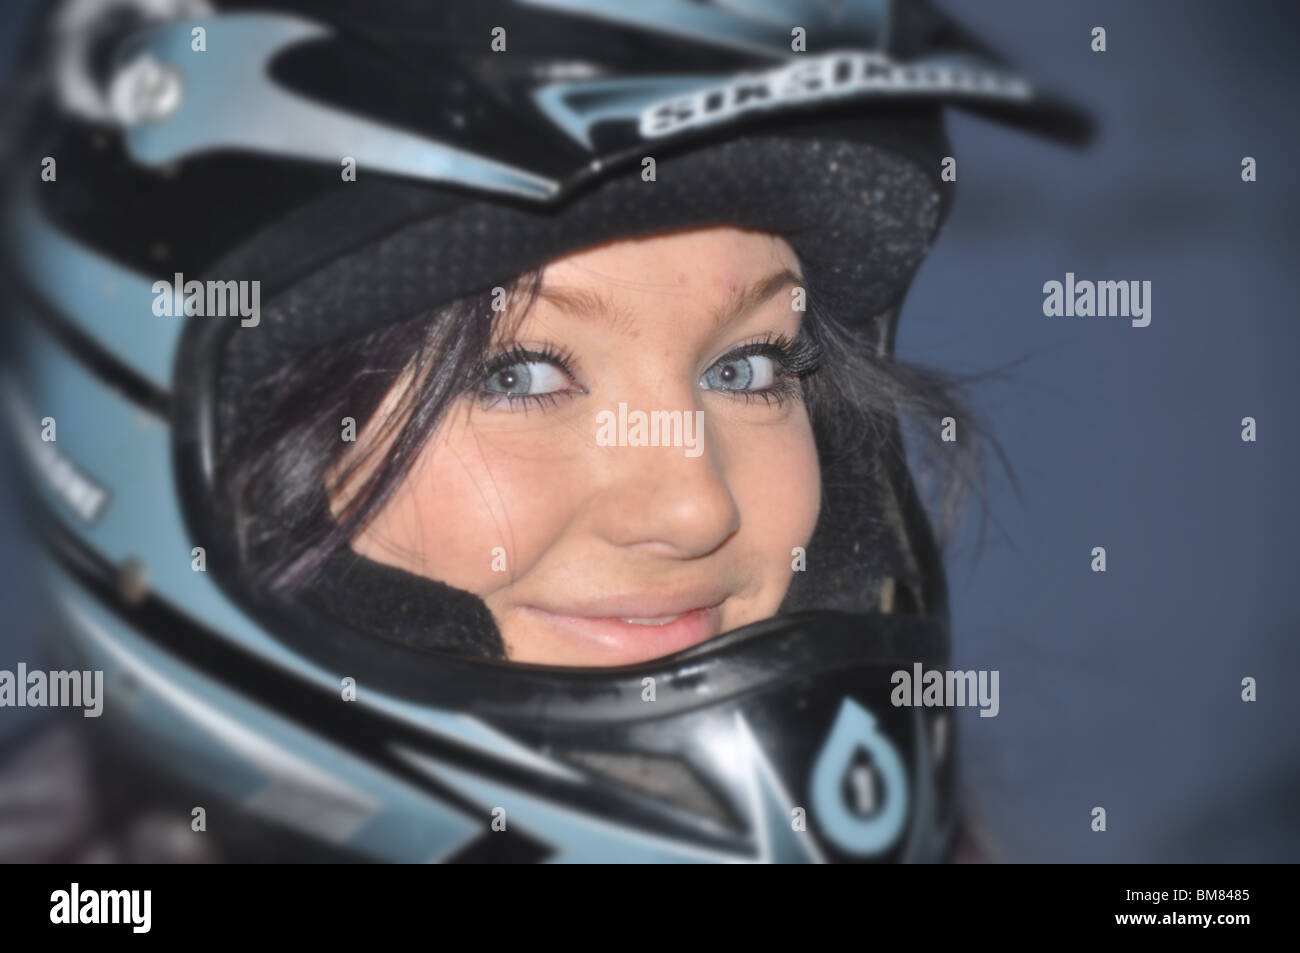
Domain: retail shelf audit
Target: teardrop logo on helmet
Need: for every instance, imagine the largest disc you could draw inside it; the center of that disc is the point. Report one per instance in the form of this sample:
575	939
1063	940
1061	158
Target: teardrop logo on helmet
871	819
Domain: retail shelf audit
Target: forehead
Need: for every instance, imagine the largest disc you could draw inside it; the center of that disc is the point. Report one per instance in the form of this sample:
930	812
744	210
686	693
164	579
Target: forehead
716	262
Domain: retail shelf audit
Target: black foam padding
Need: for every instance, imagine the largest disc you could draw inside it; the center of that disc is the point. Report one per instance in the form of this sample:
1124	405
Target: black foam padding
393	604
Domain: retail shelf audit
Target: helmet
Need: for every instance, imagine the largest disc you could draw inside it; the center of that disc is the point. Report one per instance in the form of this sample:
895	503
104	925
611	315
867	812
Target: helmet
361	162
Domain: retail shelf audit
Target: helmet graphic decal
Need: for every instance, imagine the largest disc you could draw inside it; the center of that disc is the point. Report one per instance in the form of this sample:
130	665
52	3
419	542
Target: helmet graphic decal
209	112
575	835
770	807
567	834
871	821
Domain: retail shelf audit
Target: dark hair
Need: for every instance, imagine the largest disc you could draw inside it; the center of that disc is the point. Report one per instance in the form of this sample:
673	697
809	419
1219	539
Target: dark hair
858	393
276	479
279	481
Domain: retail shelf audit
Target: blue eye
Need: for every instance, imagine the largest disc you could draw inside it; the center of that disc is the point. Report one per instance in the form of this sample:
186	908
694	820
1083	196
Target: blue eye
526	378
741	373
769	369
522	377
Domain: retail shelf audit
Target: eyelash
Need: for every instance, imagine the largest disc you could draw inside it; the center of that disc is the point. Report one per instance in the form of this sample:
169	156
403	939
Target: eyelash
796	358
558	357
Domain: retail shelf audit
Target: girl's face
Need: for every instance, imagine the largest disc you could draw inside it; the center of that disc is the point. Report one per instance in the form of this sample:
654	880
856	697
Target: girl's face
595	541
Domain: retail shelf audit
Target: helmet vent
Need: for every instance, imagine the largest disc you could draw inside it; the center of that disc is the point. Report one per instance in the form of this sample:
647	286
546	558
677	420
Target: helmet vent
664	779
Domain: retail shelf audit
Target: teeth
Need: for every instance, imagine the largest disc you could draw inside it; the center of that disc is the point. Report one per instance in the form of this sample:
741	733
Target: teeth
660	620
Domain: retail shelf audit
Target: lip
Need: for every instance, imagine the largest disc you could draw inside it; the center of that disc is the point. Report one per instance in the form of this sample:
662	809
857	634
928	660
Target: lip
602	632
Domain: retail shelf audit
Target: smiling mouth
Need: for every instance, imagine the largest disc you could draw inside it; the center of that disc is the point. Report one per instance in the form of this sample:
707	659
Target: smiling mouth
626	639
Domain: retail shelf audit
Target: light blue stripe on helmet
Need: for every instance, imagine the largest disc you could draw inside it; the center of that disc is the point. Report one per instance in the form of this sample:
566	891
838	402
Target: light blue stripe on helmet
755	26
111	305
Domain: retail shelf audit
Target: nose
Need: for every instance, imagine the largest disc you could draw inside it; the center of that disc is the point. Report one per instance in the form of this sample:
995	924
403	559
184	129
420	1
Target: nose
673	501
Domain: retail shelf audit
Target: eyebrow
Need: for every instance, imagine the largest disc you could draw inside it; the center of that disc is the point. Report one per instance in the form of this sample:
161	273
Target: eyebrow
583	302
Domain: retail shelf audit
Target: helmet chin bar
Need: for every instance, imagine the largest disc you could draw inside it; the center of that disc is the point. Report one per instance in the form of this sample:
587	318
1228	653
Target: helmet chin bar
776	742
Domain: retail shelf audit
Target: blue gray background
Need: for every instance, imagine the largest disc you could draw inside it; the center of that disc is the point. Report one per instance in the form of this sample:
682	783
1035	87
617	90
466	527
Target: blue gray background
1121	689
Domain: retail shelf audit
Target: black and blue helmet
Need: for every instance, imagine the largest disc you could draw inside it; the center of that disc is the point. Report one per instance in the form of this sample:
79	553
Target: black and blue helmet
207	138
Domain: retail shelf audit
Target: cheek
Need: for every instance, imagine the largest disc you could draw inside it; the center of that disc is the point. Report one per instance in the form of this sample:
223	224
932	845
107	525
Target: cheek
476	511
482	507
776	479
